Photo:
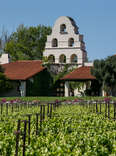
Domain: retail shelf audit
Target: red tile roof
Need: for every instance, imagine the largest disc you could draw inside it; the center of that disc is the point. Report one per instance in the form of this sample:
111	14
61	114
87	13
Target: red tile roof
22	70
81	73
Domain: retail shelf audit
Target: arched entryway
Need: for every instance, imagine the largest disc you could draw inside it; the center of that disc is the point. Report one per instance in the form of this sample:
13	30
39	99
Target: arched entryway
73	58
62	59
51	59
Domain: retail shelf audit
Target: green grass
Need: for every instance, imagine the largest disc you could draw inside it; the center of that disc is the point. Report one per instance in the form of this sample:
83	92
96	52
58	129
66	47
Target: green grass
54	98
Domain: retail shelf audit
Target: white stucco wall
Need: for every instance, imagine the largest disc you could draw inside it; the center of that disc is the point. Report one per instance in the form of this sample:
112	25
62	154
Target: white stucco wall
4	59
88	63
66	51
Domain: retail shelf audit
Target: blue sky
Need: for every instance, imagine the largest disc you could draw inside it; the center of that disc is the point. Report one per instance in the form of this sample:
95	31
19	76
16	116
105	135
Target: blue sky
96	20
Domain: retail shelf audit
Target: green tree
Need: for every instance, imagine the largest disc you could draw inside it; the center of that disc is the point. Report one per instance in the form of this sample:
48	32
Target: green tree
27	43
98	71
41	85
5	84
105	73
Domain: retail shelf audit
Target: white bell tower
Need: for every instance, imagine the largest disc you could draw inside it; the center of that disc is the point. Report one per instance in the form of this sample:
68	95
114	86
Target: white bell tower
65	45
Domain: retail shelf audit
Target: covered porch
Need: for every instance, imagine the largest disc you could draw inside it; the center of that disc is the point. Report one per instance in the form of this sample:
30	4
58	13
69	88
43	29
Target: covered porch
80	75
81	88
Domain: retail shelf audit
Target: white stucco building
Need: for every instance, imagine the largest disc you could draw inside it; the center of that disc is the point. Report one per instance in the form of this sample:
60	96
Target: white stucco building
22	75
65	44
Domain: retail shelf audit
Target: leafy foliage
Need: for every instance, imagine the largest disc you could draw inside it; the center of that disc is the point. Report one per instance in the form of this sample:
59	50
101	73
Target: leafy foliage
41	84
5	84
75	85
61	74
27	43
98	70
105	73
72	131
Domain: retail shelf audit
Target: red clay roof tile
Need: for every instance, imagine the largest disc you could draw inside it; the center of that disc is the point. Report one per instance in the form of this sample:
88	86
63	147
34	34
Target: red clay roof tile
81	73
22	70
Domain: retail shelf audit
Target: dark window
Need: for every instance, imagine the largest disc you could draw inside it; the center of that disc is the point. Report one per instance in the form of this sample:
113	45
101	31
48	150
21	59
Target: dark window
54	42
71	42
63	28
